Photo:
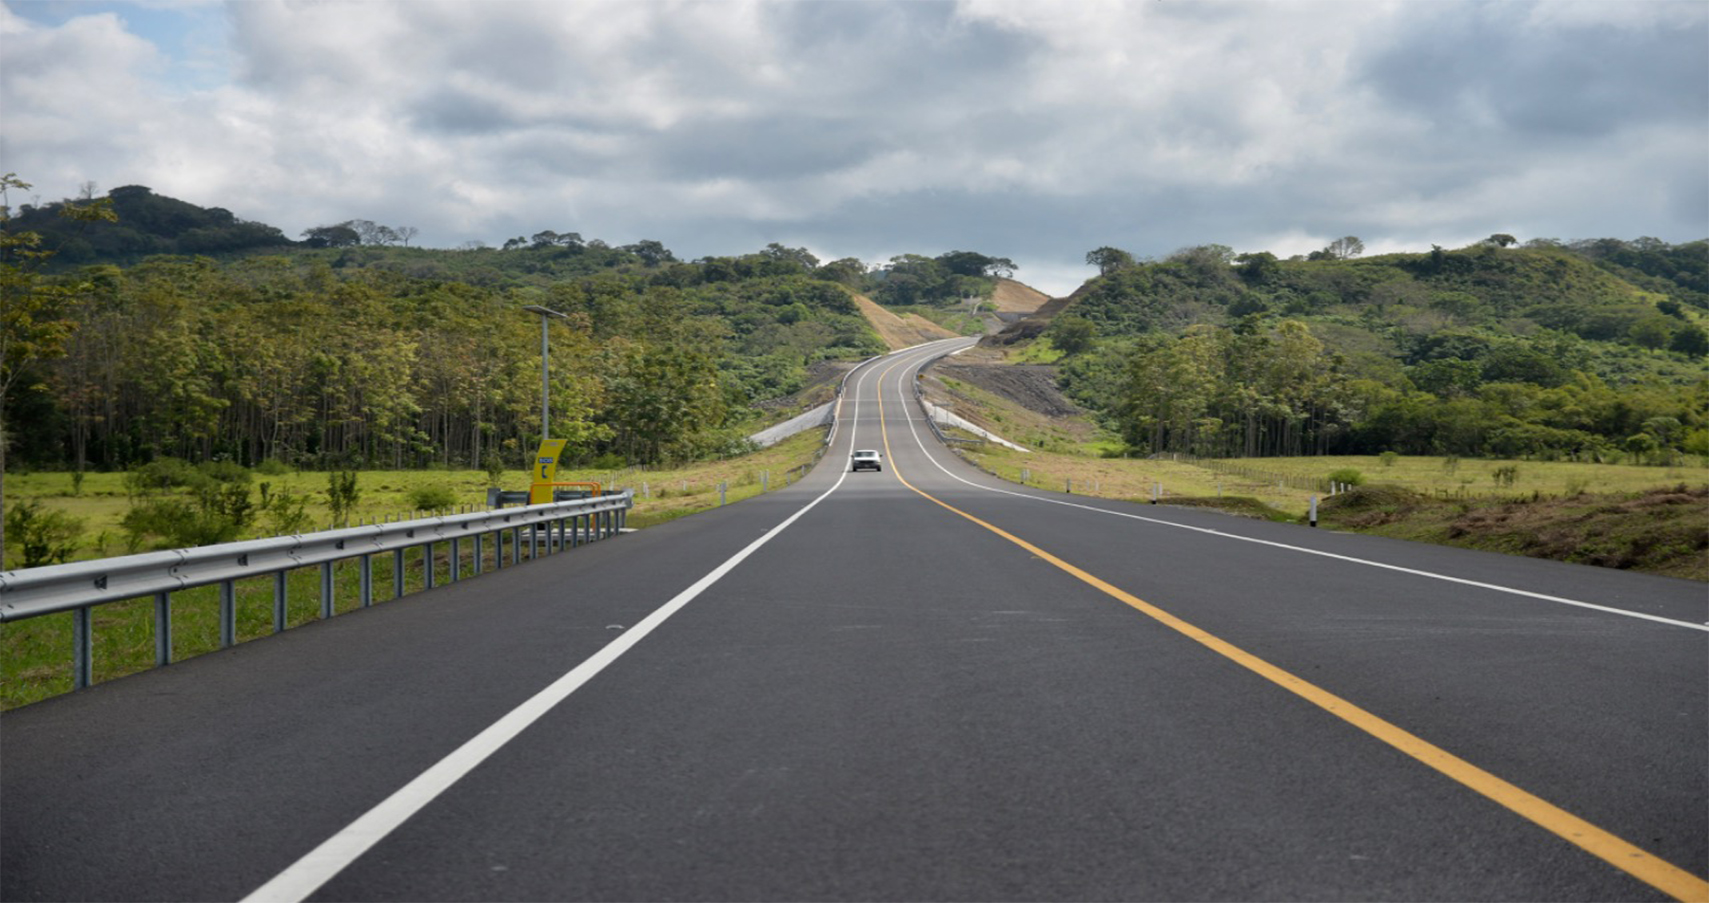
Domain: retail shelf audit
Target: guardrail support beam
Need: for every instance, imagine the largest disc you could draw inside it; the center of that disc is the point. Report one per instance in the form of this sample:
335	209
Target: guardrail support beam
326	590
228	614
280	578
162	629
83	649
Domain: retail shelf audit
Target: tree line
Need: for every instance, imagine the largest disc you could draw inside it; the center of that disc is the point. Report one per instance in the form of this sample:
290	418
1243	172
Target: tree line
313	358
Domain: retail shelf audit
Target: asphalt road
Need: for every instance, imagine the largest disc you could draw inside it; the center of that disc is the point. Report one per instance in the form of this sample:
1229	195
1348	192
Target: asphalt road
939	689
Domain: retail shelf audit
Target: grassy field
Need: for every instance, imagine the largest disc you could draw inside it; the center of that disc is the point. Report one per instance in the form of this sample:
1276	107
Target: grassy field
35	655
1653	519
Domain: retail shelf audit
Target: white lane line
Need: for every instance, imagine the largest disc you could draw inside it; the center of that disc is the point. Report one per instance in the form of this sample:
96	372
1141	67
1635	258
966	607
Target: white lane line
1559	600
321	864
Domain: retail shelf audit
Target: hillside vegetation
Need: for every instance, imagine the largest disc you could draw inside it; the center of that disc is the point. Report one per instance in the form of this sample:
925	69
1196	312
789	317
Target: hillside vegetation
1543	351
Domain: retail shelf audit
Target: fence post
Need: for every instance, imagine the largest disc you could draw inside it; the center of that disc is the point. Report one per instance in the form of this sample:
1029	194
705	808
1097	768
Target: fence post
1314	510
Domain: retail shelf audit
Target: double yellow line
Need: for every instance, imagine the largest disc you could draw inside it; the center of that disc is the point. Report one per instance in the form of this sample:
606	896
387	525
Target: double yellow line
1657	873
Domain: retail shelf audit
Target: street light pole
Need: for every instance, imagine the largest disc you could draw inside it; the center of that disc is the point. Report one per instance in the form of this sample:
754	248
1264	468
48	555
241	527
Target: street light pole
546	314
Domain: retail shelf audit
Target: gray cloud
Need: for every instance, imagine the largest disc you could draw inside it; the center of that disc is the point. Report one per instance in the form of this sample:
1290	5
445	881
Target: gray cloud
1032	131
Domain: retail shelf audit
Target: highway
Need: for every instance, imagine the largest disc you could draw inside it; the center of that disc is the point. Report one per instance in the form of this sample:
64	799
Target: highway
917	684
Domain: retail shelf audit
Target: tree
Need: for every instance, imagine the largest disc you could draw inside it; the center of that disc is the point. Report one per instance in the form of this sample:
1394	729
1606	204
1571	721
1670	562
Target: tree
973	263
1691	341
1501	240
798	256
1073	334
1345	248
847	271
1260	268
652	253
31	326
338	236
406	234
1108	259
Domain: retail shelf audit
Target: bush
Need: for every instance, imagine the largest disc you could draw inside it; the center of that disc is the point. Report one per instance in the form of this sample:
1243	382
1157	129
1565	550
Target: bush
272	467
494	466
1388	458
287	511
431	498
161	474
342	494
42	537
175	524
1347	475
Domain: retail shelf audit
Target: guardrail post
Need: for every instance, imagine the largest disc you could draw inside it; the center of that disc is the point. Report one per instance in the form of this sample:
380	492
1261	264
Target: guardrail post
83	649
427	566
279	581
162	629
326	590
515	545
367	580
480	554
228	614
456	560
397	573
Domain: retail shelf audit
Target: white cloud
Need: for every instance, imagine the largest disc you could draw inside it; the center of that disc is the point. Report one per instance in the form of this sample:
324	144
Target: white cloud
1027	130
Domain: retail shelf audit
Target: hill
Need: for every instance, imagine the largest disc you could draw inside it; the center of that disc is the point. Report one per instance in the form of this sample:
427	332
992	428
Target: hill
147	224
1545	350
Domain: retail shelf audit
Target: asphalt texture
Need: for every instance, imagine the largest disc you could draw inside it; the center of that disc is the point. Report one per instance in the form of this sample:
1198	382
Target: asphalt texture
890	701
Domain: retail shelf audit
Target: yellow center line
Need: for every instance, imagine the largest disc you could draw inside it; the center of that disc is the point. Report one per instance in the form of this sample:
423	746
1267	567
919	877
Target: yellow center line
1652	870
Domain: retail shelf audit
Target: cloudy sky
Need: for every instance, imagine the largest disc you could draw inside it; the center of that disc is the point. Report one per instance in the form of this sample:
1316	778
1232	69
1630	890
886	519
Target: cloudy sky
1029	130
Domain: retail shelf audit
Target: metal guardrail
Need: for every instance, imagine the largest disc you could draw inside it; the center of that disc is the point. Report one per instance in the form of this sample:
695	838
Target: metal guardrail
80	586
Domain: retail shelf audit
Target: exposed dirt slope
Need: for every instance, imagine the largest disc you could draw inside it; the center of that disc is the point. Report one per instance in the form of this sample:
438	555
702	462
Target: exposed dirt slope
1011	297
900	331
1033	324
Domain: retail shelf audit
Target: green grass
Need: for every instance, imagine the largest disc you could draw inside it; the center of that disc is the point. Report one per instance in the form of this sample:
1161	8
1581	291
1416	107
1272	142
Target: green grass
35	654
1037	351
1476	477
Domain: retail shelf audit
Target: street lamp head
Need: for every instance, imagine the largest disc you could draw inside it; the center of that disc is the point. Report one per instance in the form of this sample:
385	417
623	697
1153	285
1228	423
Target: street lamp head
544	311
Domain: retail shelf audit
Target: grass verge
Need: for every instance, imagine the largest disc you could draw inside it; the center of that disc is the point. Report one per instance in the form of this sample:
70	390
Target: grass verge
35	654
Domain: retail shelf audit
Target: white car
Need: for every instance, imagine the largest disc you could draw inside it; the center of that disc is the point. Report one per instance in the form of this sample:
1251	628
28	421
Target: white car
864	459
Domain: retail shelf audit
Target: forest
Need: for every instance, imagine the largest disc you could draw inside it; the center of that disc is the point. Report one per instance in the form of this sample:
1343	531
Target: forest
1590	351
138	327
375	355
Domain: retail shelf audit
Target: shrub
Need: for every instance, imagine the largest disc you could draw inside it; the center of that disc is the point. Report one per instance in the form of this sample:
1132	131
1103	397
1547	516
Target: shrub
342	494
161	474
494	466
287	511
1347	475
43	537
175	523
431	498
224	472
1388	458
272	467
